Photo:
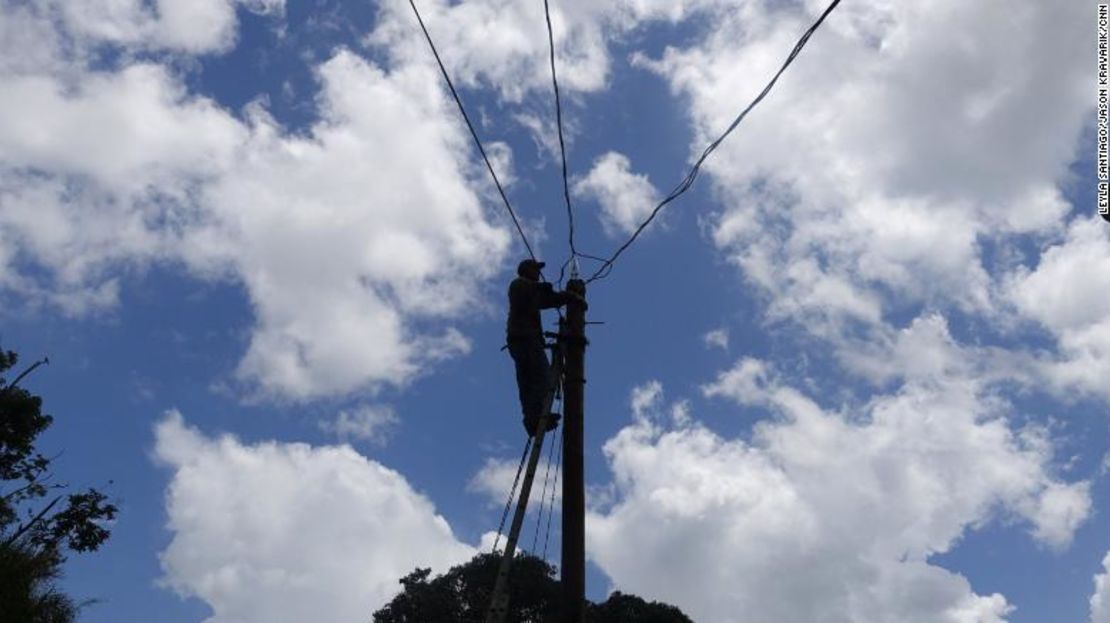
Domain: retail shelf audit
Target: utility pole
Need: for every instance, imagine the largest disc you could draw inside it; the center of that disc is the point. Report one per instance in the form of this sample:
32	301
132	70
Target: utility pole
573	568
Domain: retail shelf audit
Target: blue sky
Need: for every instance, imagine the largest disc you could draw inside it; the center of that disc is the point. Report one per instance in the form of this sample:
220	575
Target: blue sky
855	374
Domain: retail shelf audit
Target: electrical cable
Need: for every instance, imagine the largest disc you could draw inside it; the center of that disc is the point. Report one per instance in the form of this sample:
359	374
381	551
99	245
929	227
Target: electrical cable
543	498
473	132
512	493
559	126
551	504
688	181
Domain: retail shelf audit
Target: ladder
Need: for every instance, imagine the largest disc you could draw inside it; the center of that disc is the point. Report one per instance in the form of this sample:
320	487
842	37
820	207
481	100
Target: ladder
499	601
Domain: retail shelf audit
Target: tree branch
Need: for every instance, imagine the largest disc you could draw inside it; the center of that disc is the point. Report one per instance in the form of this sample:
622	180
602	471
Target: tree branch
44	483
23	528
26	372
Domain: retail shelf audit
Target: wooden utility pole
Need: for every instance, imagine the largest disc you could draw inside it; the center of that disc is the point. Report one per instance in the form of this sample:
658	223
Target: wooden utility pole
573	568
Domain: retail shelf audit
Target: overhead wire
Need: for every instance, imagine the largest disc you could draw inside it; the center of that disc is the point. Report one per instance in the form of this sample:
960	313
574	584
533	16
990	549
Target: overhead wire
559	126
607	263
551	504
473	132
543	498
512	493
688	181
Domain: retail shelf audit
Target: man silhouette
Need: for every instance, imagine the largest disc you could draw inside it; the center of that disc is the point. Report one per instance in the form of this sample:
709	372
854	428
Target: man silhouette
524	335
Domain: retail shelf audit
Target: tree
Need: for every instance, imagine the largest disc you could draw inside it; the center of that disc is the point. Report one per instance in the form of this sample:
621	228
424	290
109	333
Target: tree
463	594
39	521
27	591
622	608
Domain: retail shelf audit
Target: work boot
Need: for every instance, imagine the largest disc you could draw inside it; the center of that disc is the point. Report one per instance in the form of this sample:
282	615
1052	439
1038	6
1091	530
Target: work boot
531	421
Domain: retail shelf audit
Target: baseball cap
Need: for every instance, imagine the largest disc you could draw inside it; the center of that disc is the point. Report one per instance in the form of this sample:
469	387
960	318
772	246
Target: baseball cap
527	264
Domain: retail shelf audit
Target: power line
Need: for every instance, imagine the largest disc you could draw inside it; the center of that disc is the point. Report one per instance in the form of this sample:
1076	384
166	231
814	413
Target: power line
551	504
688	181
559	125
473	132
543	498
512	493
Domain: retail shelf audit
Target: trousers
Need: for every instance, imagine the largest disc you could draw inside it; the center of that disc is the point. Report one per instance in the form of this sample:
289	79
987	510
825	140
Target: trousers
533	373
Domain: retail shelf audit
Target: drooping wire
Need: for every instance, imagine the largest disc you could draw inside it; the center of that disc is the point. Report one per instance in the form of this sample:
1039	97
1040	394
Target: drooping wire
551	504
559	125
473	132
512	493
688	181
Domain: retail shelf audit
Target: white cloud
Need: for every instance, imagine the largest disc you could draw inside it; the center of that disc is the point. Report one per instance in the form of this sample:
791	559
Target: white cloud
495	480
194	27
626	198
346	221
717	338
891	217
543	132
1100	600
334	233
125	151
1065	294
926	351
843	508
866	181
745	383
27	41
503	44
371	423
645	400
154	131
275	532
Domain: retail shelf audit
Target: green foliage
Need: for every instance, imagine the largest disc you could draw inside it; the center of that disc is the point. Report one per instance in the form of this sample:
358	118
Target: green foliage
622	608
38	522
27	593
463	594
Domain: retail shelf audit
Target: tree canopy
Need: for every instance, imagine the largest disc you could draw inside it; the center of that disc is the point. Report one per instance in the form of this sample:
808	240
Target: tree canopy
463	594
39	520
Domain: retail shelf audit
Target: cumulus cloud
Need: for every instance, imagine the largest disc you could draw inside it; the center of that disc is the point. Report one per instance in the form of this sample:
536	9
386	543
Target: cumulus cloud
717	338
347	222
371	423
335	233
645	398
494	480
860	186
1065	295
839	213
194	27
625	198
503	44
1100	600
650	408
845	508
745	383
285	532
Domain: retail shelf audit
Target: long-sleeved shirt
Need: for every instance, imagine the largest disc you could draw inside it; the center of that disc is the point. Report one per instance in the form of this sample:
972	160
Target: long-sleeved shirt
526	299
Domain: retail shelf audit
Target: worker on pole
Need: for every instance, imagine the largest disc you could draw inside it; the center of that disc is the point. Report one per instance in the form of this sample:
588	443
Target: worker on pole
524	336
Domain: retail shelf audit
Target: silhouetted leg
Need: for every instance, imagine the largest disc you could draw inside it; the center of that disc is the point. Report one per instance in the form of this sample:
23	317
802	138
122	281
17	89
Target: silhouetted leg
533	377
